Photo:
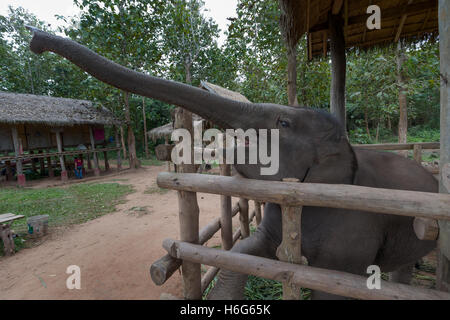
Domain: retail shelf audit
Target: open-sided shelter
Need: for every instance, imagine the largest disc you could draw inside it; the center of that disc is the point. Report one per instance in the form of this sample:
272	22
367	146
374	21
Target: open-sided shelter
31	126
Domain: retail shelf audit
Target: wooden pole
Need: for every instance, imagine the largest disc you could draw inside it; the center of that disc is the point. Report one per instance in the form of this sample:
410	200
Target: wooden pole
243	218
51	173
443	269
33	163
105	156
64	175
226	222
119	159
21	180
334	282
189	217
96	166
290	247
258	213
166	139
338	69
398	202
41	164
418	153
162	269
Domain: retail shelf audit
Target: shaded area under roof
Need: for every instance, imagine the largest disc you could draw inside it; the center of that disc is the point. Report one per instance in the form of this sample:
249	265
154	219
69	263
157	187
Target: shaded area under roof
18	108
400	19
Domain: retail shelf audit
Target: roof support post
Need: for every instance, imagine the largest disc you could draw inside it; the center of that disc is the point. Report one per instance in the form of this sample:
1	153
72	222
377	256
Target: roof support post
51	174
64	176
21	180
119	159
443	269
96	167
338	68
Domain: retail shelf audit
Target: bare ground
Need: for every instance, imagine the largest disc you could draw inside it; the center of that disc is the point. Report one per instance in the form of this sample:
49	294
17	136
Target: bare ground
114	251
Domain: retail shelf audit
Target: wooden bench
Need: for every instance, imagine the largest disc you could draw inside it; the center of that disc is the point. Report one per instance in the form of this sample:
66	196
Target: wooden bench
5	232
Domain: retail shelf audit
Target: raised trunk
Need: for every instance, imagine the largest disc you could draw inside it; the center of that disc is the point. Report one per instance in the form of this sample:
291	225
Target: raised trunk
225	112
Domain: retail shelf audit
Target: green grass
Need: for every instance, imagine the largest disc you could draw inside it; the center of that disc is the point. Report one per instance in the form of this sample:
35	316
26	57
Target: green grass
74	204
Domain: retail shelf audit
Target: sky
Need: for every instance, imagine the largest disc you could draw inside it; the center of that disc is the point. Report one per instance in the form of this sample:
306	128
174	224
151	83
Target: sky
46	10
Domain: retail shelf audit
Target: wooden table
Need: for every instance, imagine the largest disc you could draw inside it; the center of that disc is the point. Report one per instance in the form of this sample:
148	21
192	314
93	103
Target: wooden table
5	231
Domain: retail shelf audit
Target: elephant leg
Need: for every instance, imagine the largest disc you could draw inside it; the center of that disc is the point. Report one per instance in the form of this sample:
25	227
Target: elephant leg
402	275
263	243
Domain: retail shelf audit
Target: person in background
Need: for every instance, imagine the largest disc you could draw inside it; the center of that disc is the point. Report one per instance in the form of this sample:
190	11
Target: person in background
78	164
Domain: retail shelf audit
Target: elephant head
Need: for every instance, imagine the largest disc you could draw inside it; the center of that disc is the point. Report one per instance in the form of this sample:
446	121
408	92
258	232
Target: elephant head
313	146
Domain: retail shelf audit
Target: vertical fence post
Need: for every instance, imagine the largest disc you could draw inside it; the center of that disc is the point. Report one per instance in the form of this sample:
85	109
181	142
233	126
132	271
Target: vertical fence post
443	268
418	153
258	215
226	224
189	217
243	218
290	247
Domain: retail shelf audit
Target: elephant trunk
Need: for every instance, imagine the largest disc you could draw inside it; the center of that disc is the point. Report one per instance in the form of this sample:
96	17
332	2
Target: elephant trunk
221	111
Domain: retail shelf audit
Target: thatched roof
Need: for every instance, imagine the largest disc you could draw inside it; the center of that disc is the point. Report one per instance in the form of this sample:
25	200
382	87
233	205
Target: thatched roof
33	109
161	132
223	92
400	19
167	129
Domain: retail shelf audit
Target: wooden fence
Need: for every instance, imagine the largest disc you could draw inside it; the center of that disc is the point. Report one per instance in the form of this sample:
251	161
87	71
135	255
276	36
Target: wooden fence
291	196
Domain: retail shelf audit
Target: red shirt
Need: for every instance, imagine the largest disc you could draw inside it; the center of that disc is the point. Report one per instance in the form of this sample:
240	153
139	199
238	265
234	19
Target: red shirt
78	163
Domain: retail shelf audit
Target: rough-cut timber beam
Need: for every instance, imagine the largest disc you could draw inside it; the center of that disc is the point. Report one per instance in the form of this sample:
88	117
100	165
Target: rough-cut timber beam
334	282
443	268
398	146
390	13
398	202
337	5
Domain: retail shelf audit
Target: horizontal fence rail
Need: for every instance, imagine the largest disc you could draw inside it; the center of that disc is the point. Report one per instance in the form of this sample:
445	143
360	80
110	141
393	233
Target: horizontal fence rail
334	282
398	202
398	146
57	154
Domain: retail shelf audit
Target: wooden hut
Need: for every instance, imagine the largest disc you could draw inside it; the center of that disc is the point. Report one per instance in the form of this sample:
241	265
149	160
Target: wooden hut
32	126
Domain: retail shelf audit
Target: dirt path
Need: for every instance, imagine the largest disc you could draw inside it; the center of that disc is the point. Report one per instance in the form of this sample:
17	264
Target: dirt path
114	252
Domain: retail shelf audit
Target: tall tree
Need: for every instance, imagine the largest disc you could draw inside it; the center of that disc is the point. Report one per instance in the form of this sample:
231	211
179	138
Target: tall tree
125	31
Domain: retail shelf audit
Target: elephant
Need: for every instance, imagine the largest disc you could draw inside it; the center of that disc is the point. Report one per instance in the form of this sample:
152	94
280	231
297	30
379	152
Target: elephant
313	148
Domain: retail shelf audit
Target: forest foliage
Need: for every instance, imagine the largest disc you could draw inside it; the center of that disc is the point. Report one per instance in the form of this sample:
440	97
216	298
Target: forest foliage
175	40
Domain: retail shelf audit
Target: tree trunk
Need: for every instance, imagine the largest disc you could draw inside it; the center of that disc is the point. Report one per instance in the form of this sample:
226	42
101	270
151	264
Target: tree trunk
134	162
145	128
122	138
338	69
366	121
402	99
292	75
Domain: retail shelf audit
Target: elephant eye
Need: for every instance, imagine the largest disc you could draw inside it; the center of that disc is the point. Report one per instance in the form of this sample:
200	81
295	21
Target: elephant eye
284	124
